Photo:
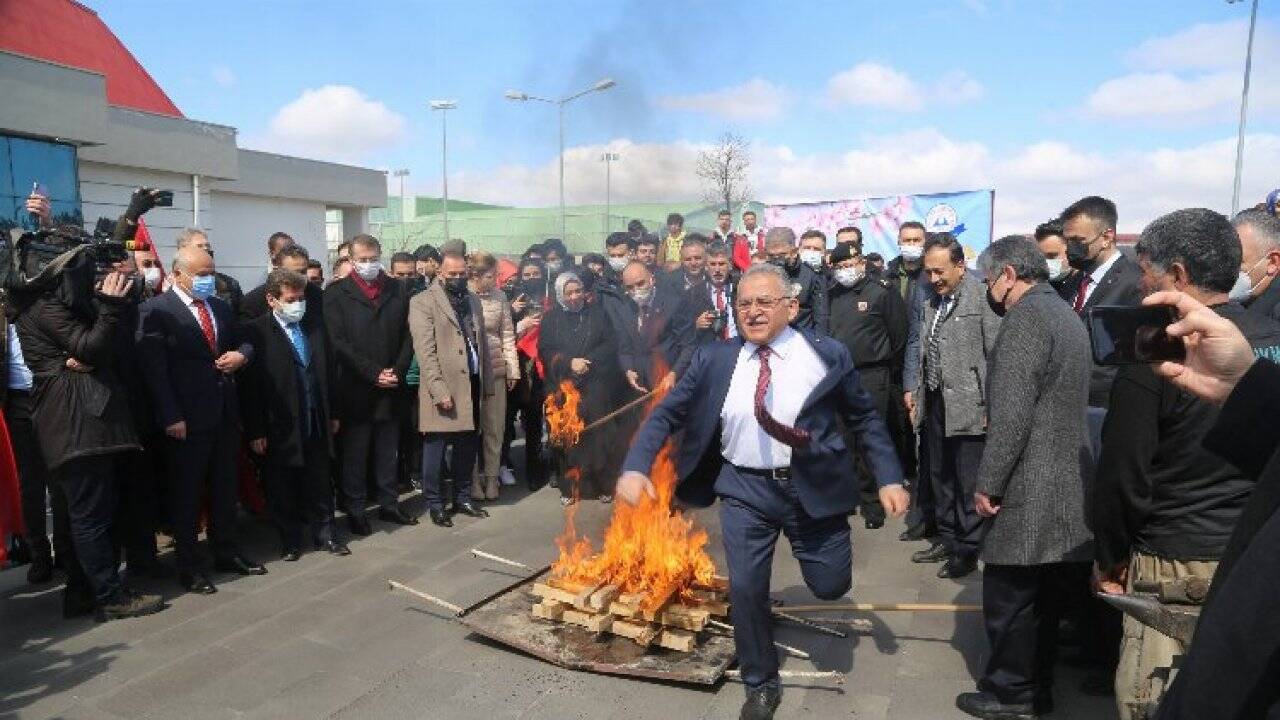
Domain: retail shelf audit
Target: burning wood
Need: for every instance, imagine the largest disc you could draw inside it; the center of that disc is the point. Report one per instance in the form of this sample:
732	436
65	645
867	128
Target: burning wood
561	411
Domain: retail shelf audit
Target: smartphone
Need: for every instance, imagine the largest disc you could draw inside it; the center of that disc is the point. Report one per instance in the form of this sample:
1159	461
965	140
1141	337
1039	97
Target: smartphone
1132	335
164	198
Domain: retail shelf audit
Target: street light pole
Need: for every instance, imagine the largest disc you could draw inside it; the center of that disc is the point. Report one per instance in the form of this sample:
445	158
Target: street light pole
608	159
519	96
402	173
1244	108
444	106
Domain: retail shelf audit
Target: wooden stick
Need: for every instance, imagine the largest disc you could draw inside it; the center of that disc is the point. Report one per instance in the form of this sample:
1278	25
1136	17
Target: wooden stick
860	624
884	607
497	559
619	411
793	652
809	624
795	674
429	598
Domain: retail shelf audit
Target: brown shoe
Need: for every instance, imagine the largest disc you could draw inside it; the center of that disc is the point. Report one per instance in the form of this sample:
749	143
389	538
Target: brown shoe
491	487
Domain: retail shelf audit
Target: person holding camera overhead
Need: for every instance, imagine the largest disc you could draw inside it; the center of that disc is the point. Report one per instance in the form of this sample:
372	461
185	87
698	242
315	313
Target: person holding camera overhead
67	323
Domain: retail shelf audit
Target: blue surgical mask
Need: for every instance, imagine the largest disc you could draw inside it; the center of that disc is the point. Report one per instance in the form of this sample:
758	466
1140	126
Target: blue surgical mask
204	287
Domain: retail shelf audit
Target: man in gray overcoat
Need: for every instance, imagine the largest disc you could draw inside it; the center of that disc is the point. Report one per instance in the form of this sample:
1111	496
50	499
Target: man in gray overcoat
1032	482
946	395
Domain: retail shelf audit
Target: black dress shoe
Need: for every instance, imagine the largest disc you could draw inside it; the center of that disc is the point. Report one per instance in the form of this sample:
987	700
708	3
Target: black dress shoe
466	507
238	564
359	525
988	707
935	553
291	555
440	517
397	516
196	582
957	567
334	547
761	702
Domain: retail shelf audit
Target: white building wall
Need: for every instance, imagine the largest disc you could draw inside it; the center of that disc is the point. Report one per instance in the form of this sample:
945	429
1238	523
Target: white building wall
244	222
105	191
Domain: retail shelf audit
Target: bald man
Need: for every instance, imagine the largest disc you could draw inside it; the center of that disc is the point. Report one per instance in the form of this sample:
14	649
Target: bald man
190	349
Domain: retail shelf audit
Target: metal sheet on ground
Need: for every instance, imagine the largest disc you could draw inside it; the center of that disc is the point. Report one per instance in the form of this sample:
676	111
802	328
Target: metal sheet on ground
505	618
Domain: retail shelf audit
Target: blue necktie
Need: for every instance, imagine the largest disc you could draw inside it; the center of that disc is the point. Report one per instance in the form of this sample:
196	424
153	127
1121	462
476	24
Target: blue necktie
299	343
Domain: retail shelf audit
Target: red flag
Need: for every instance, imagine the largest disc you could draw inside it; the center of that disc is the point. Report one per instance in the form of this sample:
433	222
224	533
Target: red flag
10	497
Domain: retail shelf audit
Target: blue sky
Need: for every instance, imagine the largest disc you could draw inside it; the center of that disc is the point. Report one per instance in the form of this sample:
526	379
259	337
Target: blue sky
1043	100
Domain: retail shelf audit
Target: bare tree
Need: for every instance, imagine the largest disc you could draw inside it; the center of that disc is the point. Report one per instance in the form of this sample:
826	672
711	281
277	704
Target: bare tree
724	168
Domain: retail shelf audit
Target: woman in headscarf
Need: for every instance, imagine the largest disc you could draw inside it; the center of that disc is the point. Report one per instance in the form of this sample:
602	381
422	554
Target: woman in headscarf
578	344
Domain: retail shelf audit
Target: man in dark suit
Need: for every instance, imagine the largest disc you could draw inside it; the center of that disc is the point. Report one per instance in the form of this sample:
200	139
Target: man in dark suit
367	317
288	416
226	288
708	306
691	271
761	418
814	313
1107	277
293	258
647	320
190	348
1032	482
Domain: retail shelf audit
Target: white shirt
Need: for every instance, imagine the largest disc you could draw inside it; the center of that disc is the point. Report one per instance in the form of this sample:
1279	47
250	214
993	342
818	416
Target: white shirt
728	307
195	313
1098	273
795	371
20	377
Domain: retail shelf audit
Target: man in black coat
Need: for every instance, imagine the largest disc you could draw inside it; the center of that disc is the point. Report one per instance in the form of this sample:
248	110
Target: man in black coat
708	305
693	257
190	348
367	319
647	320
1260	245
295	259
287	414
780	246
870	319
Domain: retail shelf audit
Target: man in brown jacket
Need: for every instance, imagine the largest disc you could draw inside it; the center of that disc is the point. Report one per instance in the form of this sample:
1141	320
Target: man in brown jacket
447	324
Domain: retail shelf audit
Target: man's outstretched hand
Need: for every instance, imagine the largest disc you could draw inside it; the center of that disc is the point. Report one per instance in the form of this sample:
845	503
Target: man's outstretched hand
633	485
895	500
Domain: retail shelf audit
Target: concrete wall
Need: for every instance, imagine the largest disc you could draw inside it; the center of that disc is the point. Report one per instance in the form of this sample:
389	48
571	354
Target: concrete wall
47	100
242	224
105	191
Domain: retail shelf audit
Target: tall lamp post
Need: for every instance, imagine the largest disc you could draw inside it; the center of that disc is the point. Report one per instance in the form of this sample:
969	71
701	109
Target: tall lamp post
401	173
608	159
1244	107
524	97
444	106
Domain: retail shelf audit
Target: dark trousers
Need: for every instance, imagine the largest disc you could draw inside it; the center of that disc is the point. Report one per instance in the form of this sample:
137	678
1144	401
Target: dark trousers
33	484
89	485
138	512
531	418
1021	606
953	471
358	439
203	467
750	524
875	380
301	496
463	445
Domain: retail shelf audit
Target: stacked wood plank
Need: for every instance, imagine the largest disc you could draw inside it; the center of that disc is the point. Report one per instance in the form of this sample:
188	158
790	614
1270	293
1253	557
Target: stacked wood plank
665	622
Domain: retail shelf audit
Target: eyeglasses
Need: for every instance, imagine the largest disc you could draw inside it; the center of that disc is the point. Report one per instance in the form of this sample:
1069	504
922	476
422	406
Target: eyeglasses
764	303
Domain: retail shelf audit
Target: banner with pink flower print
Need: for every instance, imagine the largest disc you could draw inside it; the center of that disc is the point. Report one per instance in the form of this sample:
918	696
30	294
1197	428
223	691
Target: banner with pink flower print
967	215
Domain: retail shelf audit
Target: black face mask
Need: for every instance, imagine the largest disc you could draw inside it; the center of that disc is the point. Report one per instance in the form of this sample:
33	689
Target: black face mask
1078	254
456	286
997	306
534	288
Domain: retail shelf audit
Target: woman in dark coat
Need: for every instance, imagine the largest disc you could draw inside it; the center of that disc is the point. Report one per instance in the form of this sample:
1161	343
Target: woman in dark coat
578	344
528	296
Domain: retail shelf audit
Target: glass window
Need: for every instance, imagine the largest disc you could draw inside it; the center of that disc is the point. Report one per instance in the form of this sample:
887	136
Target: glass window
24	163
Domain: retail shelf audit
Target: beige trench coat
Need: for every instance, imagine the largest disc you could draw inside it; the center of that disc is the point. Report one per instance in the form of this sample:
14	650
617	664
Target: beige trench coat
442	360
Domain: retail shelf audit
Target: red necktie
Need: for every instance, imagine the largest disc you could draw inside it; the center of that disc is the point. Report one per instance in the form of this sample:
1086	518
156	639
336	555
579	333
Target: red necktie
724	330
794	437
1078	305
206	324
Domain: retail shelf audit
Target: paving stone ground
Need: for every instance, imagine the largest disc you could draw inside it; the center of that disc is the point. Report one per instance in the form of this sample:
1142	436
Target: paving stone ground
323	638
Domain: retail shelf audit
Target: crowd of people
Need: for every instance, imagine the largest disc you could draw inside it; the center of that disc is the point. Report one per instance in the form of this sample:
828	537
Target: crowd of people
307	394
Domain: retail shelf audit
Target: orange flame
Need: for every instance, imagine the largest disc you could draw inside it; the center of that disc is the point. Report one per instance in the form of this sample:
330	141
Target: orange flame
648	548
563	421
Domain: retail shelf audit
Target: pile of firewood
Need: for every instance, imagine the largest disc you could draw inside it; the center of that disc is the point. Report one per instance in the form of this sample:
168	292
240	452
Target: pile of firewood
662	622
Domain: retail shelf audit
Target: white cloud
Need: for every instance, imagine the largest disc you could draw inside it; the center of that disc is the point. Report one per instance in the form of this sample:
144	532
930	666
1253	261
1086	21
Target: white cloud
1193	75
875	85
755	100
223	76
333	122
1032	183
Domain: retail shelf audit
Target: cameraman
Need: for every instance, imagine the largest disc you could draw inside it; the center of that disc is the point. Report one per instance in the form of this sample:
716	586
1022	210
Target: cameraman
79	409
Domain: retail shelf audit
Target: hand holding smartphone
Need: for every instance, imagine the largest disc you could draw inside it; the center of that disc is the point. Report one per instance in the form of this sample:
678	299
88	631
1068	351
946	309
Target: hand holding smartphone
1133	335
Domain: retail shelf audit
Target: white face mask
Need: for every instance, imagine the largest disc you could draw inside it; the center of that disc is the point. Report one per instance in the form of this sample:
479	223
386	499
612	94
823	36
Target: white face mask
911	252
618	263
642	296
812	258
1057	268
1244	287
555	265
368	271
151	276
292	312
848	276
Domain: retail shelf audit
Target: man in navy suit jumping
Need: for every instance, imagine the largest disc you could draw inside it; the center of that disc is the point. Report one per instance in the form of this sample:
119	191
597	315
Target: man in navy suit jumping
761	416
